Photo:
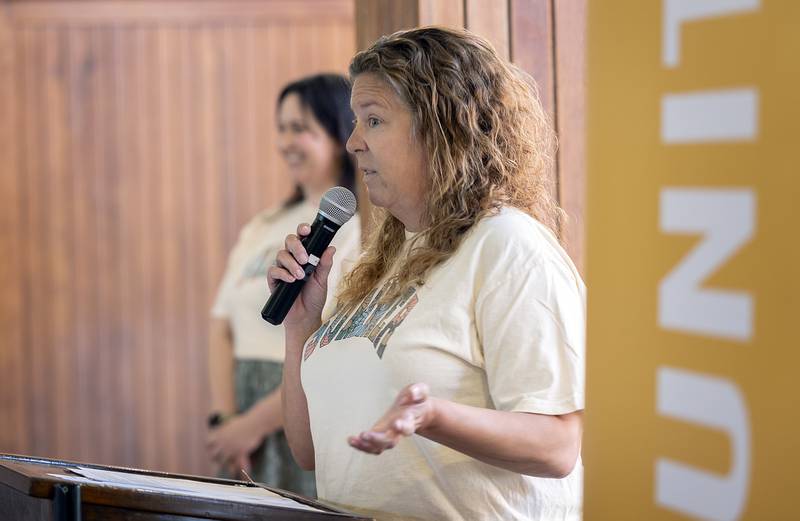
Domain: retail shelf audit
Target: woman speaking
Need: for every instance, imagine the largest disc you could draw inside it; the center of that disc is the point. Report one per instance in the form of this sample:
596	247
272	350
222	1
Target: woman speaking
448	383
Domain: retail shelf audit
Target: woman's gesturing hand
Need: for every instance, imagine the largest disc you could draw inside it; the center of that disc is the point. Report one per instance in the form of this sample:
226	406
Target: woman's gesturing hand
289	268
411	412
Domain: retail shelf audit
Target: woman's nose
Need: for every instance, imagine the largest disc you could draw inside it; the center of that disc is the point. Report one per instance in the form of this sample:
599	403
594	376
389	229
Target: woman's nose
355	143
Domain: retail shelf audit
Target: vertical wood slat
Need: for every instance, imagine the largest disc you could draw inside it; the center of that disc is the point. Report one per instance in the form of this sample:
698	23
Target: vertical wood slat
271	74
82	68
129	179
246	115
190	395
58	226
570	58
13	417
263	131
375	18
490	19
216	187
532	45
115	168
37	247
194	393
168	214
532	51
145	77
217	195
240	145
449	13
230	140
105	216
81	64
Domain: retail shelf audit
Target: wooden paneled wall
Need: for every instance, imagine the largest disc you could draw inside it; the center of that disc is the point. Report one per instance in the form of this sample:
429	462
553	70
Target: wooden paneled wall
546	38
136	137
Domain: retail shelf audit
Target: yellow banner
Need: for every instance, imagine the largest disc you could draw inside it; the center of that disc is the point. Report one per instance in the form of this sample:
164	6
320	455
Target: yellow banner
693	358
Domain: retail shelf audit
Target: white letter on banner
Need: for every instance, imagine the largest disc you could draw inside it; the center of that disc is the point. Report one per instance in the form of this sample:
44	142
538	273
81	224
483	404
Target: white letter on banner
715	403
726	218
678	11
709	116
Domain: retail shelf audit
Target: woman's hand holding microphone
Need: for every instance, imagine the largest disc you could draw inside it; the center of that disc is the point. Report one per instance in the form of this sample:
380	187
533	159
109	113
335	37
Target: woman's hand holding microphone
306	313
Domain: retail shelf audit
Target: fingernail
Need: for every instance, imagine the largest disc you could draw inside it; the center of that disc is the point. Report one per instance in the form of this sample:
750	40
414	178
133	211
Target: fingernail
299	273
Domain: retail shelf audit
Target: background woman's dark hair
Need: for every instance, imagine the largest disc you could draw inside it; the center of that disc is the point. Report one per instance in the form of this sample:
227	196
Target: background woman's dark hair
328	98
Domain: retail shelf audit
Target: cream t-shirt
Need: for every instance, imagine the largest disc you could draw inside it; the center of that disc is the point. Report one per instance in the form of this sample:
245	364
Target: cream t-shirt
500	325
243	291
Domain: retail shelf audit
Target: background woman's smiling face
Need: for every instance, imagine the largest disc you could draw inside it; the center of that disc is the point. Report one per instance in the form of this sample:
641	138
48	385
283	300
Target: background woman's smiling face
310	153
388	154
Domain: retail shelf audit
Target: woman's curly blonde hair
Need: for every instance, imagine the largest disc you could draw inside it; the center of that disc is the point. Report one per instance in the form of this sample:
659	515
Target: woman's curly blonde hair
488	143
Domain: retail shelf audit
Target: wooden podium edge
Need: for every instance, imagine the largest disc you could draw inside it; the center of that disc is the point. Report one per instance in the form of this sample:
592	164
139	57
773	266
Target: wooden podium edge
42	486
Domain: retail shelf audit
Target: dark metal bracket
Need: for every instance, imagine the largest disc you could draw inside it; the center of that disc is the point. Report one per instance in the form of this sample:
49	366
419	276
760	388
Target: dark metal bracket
67	502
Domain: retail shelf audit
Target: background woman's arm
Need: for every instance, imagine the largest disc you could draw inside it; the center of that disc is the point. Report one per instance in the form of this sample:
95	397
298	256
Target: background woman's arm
231	443
220	367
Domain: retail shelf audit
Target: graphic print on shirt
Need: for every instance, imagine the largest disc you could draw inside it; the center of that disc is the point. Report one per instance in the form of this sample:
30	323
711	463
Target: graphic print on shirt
258	266
371	319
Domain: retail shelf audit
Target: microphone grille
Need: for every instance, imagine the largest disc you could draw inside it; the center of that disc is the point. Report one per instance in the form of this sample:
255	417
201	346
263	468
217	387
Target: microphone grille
338	204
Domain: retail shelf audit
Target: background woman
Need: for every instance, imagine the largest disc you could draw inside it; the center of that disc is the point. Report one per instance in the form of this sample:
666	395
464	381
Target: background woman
245	352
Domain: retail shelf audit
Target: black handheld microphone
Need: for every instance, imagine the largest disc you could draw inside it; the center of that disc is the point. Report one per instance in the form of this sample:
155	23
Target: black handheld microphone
338	205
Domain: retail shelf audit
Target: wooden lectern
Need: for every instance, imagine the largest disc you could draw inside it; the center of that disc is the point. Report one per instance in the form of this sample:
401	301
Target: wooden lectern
37	489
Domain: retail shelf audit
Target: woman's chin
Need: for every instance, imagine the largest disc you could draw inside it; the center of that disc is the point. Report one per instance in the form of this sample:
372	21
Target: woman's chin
300	173
374	198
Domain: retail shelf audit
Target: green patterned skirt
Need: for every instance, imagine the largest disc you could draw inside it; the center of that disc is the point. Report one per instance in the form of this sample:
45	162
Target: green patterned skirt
272	462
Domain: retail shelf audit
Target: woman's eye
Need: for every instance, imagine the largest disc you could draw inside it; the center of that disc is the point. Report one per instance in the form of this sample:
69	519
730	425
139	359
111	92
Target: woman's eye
373	122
